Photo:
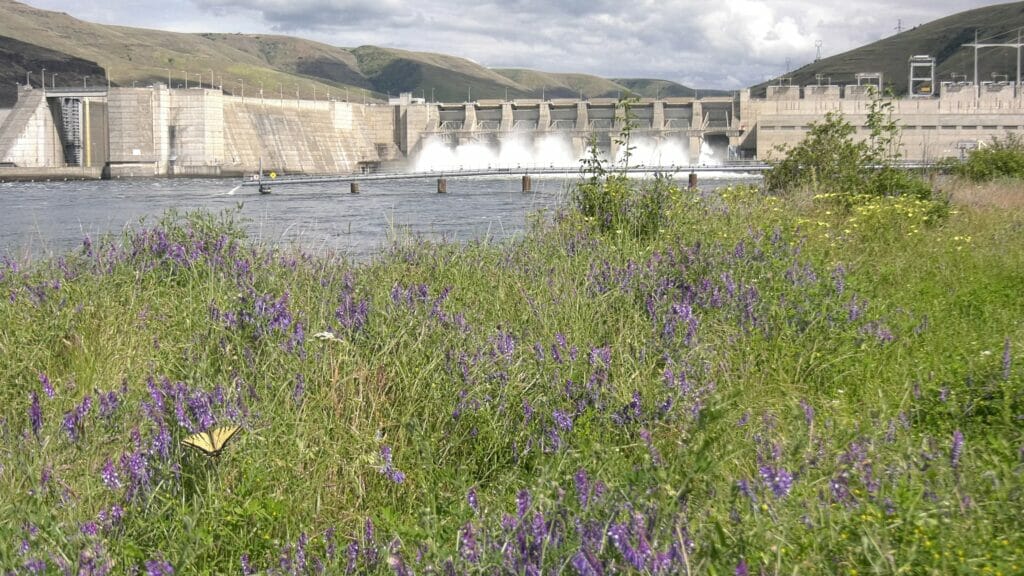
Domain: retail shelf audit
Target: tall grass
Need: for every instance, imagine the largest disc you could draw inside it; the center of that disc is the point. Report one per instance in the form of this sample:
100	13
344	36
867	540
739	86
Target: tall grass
761	385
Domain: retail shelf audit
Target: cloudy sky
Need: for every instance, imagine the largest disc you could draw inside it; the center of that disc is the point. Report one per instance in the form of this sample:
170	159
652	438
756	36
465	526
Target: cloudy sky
720	44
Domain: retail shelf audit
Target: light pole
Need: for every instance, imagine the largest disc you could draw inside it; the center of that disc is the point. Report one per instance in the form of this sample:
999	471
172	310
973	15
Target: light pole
44	80
168	78
241	82
85	82
53	83
185	74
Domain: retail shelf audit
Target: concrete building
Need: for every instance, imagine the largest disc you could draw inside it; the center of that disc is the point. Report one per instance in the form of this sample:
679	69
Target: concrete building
203	132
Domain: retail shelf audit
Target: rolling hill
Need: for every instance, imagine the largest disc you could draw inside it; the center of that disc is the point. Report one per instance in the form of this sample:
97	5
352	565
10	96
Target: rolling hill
943	39
280	66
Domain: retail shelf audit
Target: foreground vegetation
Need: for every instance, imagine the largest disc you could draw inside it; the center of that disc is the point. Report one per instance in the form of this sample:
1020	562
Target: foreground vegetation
664	382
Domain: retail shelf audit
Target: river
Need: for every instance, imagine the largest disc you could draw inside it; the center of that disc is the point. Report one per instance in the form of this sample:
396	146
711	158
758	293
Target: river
39	219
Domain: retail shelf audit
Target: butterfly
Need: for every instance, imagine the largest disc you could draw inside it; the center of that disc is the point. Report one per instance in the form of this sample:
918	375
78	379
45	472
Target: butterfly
212	441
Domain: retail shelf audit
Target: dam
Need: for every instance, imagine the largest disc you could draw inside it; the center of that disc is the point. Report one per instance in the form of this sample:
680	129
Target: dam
158	131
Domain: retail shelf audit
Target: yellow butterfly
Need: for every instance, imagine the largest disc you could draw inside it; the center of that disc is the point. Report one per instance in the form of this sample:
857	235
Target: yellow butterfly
212	441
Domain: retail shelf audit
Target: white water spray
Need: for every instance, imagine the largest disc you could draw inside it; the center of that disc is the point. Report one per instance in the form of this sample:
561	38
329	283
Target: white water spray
545	150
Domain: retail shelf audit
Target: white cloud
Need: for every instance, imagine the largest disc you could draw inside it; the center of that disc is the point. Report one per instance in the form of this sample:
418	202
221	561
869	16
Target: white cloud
726	44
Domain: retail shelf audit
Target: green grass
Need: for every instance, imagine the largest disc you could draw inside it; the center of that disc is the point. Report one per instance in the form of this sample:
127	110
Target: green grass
752	340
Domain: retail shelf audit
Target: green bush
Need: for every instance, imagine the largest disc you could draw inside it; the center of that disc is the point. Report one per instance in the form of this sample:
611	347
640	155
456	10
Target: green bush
1002	159
829	160
607	199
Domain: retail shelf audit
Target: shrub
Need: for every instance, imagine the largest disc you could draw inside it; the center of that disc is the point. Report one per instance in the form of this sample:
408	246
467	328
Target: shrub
829	160
608	199
1002	159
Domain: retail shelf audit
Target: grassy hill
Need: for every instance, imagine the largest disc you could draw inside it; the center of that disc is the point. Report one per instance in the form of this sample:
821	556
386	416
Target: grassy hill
943	39
21	58
277	65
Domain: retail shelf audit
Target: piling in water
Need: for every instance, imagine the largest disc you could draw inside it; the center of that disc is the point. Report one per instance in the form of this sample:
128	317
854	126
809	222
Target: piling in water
353	188
693	180
527	183
442	186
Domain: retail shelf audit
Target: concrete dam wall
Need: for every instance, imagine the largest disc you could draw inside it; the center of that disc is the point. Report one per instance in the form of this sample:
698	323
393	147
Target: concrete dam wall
158	131
304	136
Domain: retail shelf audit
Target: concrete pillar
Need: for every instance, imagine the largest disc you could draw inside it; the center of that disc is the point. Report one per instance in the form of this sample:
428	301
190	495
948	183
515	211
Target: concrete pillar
469	123
658	115
527	183
507	121
353	188
692	181
442	186
697	119
544	117
695	142
582	115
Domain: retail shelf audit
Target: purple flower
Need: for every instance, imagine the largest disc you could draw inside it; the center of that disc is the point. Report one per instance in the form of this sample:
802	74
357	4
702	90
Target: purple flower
159	567
330	545
35	566
504	343
35	415
808	412
89	528
562	420
48	387
467	544
471	499
110	476
741	568
779	480
582	487
388	470
523	502
246	567
300	388
956	450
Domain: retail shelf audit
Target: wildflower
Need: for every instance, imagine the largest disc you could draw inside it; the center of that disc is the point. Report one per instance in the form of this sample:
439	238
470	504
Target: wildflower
808	412
388	470
471	499
956	450
47	386
582	487
110	476
300	388
109	403
467	544
741	568
562	420
1006	358
159	567
246	567
330	546
522	502
35	415
779	480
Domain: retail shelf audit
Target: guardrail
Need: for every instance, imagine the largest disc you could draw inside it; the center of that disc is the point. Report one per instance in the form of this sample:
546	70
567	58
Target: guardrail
737	167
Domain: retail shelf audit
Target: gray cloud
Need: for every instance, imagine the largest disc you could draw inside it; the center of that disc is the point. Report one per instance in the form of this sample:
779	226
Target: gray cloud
725	44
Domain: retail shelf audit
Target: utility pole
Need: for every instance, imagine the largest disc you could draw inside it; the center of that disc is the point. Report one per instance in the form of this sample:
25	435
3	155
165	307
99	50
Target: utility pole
976	45
43	84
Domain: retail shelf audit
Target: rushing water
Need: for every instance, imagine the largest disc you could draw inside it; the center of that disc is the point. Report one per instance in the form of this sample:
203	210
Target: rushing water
43	218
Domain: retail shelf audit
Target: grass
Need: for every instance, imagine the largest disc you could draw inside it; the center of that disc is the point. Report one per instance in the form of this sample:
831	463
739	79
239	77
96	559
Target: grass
766	385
